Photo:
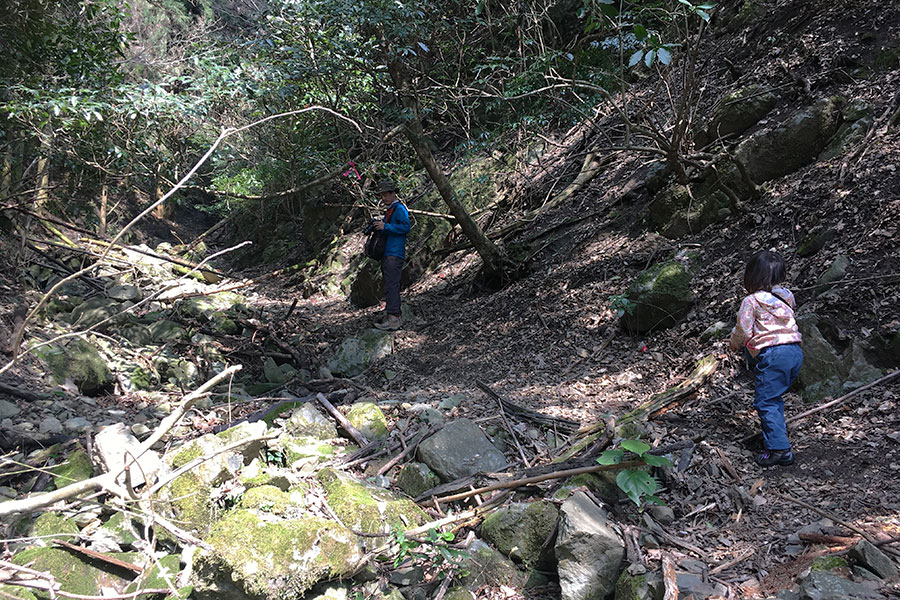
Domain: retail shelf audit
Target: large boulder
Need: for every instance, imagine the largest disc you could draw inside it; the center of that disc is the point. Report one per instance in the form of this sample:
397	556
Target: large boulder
416	478
93	311
460	449
737	112
588	549
520	530
658	298
368	508
826	372
356	354
308	421
793	144
262	556
367	287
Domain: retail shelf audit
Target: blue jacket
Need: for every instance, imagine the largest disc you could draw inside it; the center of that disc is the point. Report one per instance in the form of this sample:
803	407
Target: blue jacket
396	229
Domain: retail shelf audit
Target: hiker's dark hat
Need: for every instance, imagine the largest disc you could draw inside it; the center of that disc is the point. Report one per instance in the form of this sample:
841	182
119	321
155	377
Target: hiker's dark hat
387	185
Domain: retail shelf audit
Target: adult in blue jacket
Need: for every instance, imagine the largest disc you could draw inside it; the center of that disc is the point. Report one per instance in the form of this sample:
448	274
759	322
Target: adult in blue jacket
395	226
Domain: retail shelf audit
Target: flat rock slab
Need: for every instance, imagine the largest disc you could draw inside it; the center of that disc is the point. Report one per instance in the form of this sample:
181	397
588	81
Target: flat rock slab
116	446
870	557
821	585
460	449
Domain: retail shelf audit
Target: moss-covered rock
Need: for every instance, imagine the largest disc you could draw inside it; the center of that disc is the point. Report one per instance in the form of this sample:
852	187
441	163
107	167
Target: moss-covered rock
74	575
76	467
658	298
487	567
367	508
300	450
793	144
356	354
52	525
162	331
79	361
415	478
93	311
121	529
366	288
519	530
15	591
274	559
829	563
163	574
265	498
632	587
369	420
737	112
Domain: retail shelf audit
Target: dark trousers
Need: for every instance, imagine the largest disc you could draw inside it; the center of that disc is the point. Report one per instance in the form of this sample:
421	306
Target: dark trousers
776	369
391	270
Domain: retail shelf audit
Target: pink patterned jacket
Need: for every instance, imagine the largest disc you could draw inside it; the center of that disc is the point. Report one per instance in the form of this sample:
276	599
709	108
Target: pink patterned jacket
764	320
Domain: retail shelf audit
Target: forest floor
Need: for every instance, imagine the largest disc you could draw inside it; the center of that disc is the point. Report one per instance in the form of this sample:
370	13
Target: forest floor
551	341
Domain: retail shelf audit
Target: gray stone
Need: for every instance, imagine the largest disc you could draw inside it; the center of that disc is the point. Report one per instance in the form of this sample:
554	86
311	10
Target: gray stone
356	354
821	585
50	425
273	372
850	132
460	449
823	370
407	576
658	298
93	311
663	514
717	330
519	530
870	557
307	420
8	409
77	424
689	584
115	446
835	272
324	373
124	292
416	478
452	401
588	549
737	112
366	288
793	144
485	567
859	370
432	416
165	331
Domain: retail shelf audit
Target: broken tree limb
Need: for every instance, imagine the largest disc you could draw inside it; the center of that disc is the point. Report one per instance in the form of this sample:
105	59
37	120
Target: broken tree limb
539	478
20	393
101	557
564	425
345	424
409	448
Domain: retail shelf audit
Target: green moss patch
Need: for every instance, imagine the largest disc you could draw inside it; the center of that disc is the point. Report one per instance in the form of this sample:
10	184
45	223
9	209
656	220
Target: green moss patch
52	525
281	558
266	498
368	418
368	508
76	467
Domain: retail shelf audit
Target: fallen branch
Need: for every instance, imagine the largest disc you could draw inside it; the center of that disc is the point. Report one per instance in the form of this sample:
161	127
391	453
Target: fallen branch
101	557
23	394
345	424
409	448
539	478
564	425
821	512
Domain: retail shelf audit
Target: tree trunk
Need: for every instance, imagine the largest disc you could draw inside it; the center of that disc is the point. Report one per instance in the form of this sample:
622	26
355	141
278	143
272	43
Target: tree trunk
488	251
42	178
104	201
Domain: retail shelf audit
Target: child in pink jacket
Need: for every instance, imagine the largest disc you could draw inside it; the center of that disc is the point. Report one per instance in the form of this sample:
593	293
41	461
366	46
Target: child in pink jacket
767	331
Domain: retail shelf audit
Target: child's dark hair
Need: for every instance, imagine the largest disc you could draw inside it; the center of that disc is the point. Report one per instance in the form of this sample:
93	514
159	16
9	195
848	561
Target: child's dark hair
765	269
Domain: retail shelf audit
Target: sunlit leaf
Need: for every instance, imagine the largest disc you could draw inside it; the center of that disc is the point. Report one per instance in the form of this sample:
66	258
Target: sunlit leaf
656	461
636	484
610	457
633	60
664	56
648	58
636	446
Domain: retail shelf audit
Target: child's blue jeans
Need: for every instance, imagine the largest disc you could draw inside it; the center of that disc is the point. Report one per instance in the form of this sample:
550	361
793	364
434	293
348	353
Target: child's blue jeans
776	369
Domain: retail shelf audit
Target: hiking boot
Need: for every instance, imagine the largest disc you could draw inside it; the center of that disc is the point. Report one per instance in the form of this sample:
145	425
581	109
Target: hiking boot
770	458
390	323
